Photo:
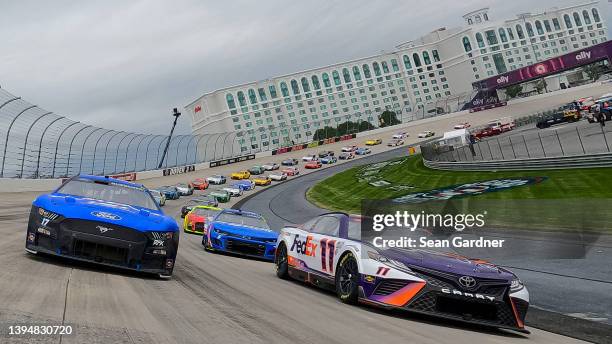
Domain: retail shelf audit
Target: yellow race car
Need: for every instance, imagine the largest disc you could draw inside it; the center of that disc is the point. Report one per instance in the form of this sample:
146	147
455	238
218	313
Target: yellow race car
241	175
198	218
373	142
262	180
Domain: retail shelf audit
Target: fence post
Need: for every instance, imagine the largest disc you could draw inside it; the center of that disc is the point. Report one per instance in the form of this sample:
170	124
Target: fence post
500	149
560	145
187	150
40	144
225	142
490	150
580	139
512	146
216	142
70	149
127	148
117	153
526	147
8	133
106	151
542	144
603	132
83	148
178	146
56	148
167	138
25	143
138	151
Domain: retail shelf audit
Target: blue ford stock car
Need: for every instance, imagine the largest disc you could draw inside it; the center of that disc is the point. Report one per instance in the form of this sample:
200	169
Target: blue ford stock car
241	232
105	221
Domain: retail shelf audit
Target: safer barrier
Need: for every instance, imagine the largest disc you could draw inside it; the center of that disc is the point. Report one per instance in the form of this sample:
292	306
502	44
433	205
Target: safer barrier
583	161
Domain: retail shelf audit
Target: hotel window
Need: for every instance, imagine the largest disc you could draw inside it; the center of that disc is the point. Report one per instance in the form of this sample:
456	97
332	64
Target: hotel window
366	71
502	35
491	37
568	22
252	97
435	55
479	40
407	61
587	18
426	58
385	67
595	15
577	19
284	89
305	85
336	78
556	24
519	32
346	75
376	68
326	81
272	90
539	28
467	46
262	94
230	101
416	59
241	98
315	82
529	28
356	73
394	65
547	26
294	87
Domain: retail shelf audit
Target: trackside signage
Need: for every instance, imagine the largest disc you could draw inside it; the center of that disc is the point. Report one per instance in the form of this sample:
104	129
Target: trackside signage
602	51
178	170
223	162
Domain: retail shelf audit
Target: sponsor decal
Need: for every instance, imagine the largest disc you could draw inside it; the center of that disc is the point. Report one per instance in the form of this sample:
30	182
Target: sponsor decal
540	68
128	177
328	250
103	229
178	170
47	214
197	109
470	295
305	247
158	242
470	189
382	270
105	215
467	281
585	55
224	162
503	79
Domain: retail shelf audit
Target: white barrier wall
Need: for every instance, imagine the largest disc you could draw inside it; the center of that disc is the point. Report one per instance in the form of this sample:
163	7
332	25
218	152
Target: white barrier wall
25	185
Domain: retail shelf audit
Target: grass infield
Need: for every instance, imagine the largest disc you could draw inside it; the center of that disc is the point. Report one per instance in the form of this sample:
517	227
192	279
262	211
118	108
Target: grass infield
582	195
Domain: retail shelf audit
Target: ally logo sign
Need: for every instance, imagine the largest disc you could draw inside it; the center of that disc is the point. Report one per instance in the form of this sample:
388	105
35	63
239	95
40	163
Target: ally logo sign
470	189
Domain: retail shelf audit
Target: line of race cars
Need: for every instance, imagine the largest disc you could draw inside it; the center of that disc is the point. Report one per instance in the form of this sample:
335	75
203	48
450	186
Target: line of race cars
117	223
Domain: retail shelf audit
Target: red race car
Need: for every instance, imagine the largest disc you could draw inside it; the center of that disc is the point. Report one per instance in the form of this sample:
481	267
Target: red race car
198	218
200	184
313	164
291	171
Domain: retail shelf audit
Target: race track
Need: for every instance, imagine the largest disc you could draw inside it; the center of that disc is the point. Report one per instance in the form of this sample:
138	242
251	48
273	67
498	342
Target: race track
212	298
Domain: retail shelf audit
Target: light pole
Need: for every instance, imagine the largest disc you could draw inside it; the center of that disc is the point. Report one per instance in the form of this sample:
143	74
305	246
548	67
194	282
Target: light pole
176	115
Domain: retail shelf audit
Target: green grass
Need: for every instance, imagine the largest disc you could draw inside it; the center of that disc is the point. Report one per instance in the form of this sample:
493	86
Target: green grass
582	195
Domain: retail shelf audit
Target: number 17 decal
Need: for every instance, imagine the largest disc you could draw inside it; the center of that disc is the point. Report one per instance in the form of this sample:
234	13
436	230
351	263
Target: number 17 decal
328	248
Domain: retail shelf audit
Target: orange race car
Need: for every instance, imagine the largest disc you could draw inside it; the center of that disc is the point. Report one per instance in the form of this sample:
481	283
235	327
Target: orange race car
200	184
197	219
313	164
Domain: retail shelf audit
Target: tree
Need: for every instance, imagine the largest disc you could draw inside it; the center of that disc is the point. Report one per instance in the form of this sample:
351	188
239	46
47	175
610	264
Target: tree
388	118
513	91
593	71
540	85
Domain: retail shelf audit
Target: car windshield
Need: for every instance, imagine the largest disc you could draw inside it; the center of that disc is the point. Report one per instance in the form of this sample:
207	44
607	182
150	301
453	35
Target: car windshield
354	228
205	212
110	192
244	220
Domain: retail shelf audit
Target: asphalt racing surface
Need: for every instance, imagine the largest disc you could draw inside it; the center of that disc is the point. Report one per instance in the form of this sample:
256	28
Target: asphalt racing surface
212	298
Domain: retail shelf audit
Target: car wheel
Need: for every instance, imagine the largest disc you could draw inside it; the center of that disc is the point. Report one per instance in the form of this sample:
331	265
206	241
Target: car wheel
282	267
347	279
206	244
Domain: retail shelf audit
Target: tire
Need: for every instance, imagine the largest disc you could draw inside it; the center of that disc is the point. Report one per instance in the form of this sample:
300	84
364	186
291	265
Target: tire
347	279
280	260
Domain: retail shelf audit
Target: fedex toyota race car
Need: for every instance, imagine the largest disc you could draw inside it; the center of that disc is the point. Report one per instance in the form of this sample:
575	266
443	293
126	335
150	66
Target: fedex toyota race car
326	251
240	232
105	221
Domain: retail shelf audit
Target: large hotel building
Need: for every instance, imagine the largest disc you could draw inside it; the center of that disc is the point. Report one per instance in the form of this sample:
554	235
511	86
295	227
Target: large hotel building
439	66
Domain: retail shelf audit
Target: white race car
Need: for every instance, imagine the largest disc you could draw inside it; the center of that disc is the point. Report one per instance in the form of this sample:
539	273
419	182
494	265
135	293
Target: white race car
233	191
349	148
463	125
400	136
309	158
426	133
216	179
327	251
271	166
277	176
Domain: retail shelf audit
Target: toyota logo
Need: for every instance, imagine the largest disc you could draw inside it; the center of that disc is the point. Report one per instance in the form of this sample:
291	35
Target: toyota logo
467	281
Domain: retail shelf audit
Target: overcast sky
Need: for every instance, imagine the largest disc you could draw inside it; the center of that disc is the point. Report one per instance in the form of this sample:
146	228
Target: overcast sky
126	64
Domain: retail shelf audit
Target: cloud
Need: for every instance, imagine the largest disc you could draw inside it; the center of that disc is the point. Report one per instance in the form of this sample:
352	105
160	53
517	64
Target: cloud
125	65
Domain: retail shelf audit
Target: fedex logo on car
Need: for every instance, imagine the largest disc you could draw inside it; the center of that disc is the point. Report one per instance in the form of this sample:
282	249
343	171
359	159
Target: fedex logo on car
583	56
503	79
306	247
